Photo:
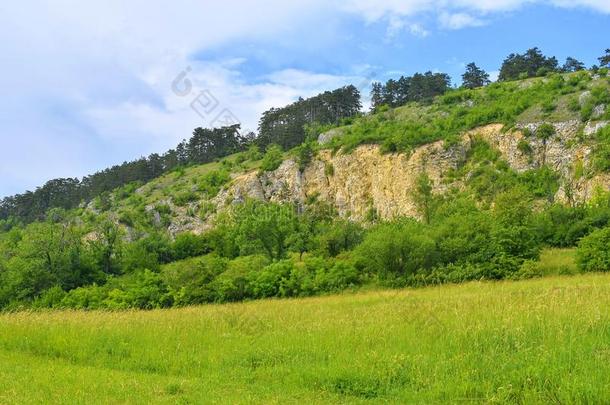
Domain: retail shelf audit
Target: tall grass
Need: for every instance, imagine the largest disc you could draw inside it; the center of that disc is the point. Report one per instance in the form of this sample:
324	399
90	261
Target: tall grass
536	341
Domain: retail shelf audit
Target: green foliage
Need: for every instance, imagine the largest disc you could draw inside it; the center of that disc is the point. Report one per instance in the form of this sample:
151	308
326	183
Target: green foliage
304	154
211	183
541	183
524	147
600	95
189	282
394	251
272	159
474	77
404	129
253	153
593	253
529	64
545	131
183	198
423	197
601	150
188	245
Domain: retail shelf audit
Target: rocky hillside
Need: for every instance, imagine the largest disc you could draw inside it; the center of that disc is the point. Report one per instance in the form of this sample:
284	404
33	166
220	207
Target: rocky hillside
366	178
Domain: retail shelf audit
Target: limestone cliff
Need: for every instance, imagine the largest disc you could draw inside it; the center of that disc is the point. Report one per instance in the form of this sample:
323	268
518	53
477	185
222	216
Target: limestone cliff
366	179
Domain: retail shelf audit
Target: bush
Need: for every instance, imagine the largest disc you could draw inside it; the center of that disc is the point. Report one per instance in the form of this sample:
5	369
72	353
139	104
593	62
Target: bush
184	197
545	131
235	284
189	282
396	250
304	155
601	151
189	245
142	290
90	297
273	158
253	153
338	277
51	298
211	183
529	269
524	147
593	252
268	283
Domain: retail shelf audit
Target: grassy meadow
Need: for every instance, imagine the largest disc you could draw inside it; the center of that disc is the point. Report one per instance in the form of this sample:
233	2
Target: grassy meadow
545	340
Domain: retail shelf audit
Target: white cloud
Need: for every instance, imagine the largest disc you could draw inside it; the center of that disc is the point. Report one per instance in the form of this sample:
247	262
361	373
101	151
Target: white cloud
397	25
375	11
457	21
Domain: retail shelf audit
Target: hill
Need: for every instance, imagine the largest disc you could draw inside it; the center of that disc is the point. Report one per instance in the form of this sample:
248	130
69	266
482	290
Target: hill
373	162
534	341
472	184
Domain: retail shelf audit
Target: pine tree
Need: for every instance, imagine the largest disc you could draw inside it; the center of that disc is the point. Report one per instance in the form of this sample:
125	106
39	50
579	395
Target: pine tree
605	60
572	65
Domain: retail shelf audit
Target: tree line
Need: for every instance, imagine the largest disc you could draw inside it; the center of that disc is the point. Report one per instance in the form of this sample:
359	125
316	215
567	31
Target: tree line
204	146
424	87
286	126
419	87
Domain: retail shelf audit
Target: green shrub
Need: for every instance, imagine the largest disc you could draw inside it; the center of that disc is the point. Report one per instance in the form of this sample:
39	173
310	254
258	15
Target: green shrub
184	197
529	269
573	104
90	297
545	131
163	209
273	158
211	183
524	147
593	252
601	150
549	106
235	284
269	281
189	245
142	290
50	298
304	155
339	276
189	281
253	153
396	250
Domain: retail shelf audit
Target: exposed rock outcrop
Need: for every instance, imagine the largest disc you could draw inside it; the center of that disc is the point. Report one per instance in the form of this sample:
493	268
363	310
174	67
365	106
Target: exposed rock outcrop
365	179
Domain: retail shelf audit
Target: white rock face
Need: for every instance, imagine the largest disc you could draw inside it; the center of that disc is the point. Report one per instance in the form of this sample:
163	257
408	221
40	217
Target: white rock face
598	111
328	136
364	179
592	128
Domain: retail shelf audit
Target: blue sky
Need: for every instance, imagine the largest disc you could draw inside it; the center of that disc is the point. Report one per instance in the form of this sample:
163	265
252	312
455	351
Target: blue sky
89	84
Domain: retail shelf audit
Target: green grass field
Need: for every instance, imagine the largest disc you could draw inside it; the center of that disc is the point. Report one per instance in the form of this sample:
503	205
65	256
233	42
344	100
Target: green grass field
537	341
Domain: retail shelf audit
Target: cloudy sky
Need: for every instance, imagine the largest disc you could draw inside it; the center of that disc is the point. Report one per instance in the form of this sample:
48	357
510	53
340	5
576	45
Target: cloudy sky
90	84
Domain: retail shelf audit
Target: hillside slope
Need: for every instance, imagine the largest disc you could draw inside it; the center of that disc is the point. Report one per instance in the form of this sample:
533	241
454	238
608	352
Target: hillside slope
372	165
472	185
